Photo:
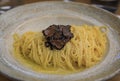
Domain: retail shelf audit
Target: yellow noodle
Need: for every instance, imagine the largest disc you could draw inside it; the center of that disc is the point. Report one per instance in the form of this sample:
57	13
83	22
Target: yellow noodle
84	50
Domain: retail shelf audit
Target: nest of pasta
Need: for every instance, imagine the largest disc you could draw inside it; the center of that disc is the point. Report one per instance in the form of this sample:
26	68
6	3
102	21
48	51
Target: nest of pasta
84	50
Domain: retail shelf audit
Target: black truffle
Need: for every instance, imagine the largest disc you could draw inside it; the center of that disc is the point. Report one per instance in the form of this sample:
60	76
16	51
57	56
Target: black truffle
57	36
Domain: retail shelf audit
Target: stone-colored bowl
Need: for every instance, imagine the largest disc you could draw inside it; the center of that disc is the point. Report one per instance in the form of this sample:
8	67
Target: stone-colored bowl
38	16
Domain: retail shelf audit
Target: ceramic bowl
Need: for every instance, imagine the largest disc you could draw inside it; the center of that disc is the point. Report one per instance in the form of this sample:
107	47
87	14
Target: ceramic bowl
38	16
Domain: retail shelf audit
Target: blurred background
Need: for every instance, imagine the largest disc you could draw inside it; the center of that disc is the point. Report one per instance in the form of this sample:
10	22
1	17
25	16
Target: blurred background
110	5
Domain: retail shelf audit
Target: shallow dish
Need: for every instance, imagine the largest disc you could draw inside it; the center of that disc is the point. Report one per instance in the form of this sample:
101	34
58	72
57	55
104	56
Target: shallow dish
38	16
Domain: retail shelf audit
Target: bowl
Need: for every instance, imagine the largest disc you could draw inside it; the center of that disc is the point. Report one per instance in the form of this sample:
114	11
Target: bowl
38	16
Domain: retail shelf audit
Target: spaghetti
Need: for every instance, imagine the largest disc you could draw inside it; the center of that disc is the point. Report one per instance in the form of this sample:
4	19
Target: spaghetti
84	50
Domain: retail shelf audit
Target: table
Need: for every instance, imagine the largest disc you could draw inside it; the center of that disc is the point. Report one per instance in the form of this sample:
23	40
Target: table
14	3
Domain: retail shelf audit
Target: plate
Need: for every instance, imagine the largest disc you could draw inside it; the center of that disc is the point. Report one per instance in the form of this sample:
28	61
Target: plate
38	16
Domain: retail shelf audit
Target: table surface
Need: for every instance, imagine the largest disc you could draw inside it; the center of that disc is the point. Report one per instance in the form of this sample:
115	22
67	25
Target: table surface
5	78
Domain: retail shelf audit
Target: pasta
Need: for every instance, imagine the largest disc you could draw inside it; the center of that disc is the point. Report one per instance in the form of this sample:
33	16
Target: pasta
84	50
